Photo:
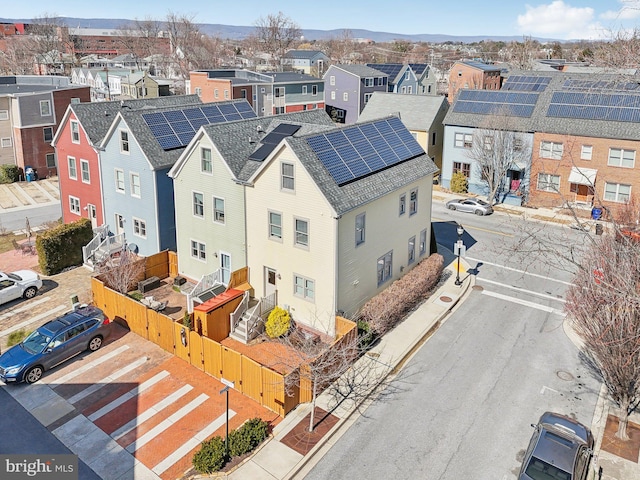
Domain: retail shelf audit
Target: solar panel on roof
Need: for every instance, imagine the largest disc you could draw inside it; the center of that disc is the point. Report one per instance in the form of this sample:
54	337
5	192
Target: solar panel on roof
287	129
491	102
355	152
261	153
589	105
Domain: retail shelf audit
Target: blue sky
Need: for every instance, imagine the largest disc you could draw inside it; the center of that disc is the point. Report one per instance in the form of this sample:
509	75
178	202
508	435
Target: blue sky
559	19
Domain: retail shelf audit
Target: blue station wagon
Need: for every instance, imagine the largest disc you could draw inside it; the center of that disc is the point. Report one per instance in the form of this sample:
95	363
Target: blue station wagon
58	340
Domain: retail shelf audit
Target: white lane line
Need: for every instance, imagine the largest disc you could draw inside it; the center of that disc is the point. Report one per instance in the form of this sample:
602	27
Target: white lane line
484	262
24	308
147	414
98	384
192	443
35	319
544	308
134	392
88	366
523	290
165	424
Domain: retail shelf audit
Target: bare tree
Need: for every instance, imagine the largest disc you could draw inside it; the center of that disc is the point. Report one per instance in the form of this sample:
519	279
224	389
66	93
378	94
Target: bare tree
276	34
522	54
495	149
50	41
121	273
340	48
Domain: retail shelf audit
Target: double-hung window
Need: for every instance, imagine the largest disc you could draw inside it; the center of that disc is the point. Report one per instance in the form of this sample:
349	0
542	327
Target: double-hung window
423	242
411	253
304	287
48	134
74	205
124	141
198	250
218	210
586	152
360	229
75	132
275	226
205	160
551	150
45	108
287	177
413	201
119	174
301	232
135	184
198	204
548	182
617	192
464	168
73	172
463	140
619	157
139	228
403	204
84	171
385	267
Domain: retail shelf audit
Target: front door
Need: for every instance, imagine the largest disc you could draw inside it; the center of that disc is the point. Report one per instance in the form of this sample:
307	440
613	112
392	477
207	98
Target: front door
119	224
225	267
93	215
269	281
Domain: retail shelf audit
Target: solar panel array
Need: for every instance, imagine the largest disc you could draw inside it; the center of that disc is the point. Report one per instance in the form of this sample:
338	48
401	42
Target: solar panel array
361	150
617	107
391	69
583	85
493	102
272	140
526	83
175	128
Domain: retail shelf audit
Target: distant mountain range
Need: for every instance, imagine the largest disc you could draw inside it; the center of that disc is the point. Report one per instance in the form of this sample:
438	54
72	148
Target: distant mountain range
240	32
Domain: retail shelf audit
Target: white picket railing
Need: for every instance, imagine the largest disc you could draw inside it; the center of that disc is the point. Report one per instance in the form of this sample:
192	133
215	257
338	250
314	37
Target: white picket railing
206	282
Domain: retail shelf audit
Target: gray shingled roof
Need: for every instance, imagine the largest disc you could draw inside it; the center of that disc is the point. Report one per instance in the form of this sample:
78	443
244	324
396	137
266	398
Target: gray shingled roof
361	70
158	158
479	65
97	117
301	54
540	122
417	112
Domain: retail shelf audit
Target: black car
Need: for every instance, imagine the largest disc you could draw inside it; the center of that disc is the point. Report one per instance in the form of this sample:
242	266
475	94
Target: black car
560	449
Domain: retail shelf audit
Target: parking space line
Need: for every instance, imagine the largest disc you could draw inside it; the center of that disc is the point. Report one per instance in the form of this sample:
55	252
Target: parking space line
88	366
34	319
165	424
25	307
98	384
192	443
134	392
147	414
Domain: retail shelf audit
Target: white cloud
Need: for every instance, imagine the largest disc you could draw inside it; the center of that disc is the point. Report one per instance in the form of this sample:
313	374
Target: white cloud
629	10
558	20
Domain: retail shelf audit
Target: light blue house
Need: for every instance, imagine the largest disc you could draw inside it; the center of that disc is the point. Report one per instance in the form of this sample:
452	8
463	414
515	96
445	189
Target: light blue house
139	149
408	79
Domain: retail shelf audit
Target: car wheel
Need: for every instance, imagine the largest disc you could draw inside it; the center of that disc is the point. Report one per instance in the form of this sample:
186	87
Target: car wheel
452	207
95	343
479	213
30	292
34	374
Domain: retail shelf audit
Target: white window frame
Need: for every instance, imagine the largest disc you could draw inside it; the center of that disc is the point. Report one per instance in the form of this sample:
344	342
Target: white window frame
332	80
118	176
385	268
462	140
345	97
198	250
45	108
83	171
411	250
304	89
552	150
226	94
198	91
413	202
279	92
75	131
124	142
361	228
6	142
74	205
616	196
301	238
73	168
286	178
4	115
218	214
139	227
546	182
586	152
333	94
206	164
216	93
304	287
368	82
133	186
197	205
367	97
623	155
274	227
423	242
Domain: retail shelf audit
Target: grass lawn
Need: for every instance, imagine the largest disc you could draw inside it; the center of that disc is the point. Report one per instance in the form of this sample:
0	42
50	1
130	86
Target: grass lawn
6	241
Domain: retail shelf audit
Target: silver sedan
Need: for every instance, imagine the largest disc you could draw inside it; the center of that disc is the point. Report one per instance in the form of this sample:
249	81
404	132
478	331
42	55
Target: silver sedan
470	205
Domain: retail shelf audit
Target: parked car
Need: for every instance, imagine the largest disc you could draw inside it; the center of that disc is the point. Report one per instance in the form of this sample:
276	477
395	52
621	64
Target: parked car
470	205
560	449
23	283
84	328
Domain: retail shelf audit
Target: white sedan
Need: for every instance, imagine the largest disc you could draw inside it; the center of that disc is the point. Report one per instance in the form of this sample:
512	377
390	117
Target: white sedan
23	283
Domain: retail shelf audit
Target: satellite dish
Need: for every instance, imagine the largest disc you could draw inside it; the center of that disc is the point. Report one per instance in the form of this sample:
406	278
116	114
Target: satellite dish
133	247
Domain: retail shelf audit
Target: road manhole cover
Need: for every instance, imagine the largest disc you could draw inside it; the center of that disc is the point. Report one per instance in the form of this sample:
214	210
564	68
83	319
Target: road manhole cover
479	288
445	299
562	375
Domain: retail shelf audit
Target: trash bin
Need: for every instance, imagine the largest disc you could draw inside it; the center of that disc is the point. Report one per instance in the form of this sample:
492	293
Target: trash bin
596	213
30	174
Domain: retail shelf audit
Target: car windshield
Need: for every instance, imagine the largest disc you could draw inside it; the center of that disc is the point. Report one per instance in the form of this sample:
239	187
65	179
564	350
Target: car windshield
13	276
482	202
541	470
36	342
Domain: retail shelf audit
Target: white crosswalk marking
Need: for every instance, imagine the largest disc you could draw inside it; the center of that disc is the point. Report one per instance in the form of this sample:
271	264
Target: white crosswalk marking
544	308
134	392
87	366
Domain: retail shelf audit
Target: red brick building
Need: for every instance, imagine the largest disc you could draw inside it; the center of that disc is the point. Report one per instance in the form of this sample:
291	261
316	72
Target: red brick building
474	75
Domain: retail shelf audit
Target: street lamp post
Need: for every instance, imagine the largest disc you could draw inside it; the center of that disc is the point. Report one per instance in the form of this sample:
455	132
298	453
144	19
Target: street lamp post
459	247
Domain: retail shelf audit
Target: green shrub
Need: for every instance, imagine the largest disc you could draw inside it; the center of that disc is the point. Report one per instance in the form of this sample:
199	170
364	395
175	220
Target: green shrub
365	334
136	295
459	183
9	173
61	247
211	457
247	437
278	323
186	320
16	337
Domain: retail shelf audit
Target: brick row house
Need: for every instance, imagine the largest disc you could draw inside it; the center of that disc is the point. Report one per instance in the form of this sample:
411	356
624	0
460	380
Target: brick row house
472	74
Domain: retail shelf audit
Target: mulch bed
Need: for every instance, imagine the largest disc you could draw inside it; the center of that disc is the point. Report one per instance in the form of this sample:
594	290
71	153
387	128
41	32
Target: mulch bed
301	439
629	450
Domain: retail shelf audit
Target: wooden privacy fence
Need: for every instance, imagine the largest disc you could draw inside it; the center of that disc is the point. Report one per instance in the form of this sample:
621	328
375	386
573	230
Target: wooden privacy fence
250	378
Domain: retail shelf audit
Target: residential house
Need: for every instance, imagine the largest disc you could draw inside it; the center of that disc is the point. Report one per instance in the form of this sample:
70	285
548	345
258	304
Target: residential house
421	114
210	181
31	108
581	130
311	62
77	146
139	149
472	74
409	79
268	93
142	85
348	89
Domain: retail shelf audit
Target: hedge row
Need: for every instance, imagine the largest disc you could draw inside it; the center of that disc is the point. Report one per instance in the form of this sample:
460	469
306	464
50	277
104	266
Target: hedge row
61	247
9	173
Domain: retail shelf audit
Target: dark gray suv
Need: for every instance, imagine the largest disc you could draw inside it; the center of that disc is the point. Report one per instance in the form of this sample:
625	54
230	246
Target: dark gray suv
560	449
